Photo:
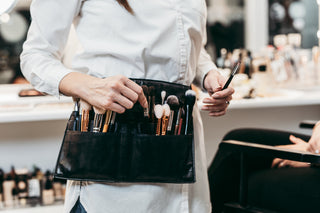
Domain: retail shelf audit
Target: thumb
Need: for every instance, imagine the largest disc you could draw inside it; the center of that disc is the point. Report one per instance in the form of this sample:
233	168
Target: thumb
296	140
218	88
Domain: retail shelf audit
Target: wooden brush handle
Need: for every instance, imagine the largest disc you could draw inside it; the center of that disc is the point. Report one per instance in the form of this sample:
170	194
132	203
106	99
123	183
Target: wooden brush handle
165	122
158	131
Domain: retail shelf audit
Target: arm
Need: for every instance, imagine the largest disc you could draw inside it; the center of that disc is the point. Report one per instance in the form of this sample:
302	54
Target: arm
42	66
314	142
42	52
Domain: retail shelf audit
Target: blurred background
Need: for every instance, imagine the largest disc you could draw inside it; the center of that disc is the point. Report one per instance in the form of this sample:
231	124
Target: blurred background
277	86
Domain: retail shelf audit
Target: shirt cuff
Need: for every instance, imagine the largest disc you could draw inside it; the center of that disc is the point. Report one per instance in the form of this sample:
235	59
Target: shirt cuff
50	83
202	72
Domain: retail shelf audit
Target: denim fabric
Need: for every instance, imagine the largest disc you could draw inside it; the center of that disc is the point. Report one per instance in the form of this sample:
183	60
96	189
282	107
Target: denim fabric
78	208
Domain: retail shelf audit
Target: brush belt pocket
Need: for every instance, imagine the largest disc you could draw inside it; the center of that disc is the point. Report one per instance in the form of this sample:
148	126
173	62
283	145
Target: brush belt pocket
130	152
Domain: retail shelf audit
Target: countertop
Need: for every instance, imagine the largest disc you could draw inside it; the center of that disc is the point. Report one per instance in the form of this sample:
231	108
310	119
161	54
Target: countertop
26	109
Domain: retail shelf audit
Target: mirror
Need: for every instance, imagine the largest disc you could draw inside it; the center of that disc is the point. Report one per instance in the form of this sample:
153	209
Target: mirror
6	6
14	23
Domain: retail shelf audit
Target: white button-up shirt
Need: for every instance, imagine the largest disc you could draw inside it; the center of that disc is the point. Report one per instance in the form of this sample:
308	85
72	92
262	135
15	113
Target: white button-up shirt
163	40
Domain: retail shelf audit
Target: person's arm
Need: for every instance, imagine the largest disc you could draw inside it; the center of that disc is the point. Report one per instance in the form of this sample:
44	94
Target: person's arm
41	61
314	142
42	51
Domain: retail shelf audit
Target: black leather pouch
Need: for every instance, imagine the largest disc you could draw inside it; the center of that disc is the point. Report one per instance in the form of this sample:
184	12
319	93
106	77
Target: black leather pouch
128	154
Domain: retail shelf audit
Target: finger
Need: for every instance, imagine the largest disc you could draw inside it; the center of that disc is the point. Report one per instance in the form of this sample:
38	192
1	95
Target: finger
123	101
216	101
138	90
117	108
219	88
215	108
223	93
276	162
296	140
216	114
283	164
297	164
128	93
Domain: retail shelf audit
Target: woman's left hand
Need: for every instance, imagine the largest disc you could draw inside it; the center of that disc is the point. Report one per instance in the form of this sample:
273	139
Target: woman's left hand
219	99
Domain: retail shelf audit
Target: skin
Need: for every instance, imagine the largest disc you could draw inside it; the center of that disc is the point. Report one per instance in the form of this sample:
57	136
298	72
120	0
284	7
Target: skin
118	93
298	144
216	104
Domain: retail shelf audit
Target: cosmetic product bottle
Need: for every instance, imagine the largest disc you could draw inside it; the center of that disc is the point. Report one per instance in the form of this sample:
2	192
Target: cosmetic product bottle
1	188
221	60
47	192
15	197
22	186
57	189
8	186
34	190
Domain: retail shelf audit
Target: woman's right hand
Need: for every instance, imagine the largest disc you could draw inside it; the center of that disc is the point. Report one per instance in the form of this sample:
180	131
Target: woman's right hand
116	93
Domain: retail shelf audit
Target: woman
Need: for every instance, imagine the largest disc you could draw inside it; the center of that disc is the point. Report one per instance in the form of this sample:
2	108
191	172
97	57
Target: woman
161	40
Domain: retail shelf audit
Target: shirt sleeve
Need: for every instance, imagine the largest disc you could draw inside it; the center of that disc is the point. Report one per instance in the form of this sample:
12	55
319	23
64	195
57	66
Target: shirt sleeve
42	52
205	64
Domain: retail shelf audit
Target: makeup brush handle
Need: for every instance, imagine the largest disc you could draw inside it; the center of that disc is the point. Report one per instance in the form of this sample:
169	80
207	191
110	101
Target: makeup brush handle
85	120
97	122
165	121
187	120
158	131
107	121
180	126
169	126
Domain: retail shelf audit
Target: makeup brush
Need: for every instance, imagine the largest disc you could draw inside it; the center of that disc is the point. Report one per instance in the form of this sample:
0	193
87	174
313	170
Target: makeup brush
176	128
181	121
107	121
173	102
85	114
165	118
98	117
146	93
158	111
76	114
163	96
152	102
112	122
190	99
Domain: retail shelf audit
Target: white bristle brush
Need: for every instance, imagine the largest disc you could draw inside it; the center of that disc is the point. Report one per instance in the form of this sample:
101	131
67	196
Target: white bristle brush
158	112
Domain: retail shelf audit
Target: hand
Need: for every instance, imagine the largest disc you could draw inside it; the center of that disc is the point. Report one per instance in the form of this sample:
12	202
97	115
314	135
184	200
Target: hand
219	99
298	144
116	93
314	142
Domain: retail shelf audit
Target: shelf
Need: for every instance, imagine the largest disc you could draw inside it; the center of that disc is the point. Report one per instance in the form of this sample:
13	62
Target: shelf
38	209
25	109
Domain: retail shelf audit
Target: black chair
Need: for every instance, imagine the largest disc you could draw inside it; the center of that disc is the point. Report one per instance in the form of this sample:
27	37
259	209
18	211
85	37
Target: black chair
241	179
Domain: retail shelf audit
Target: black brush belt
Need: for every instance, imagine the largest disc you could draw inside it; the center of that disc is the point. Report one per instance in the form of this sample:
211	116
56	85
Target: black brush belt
131	151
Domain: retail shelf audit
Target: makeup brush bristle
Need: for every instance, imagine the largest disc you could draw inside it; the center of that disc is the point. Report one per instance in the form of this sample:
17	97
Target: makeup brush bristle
173	101
166	109
163	96
145	90
152	91
158	111
190	97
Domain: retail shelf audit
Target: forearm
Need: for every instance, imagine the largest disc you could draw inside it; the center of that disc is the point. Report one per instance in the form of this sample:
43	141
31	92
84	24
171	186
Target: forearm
77	85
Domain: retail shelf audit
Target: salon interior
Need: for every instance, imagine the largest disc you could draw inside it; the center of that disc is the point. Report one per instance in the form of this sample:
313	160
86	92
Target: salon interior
277	87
